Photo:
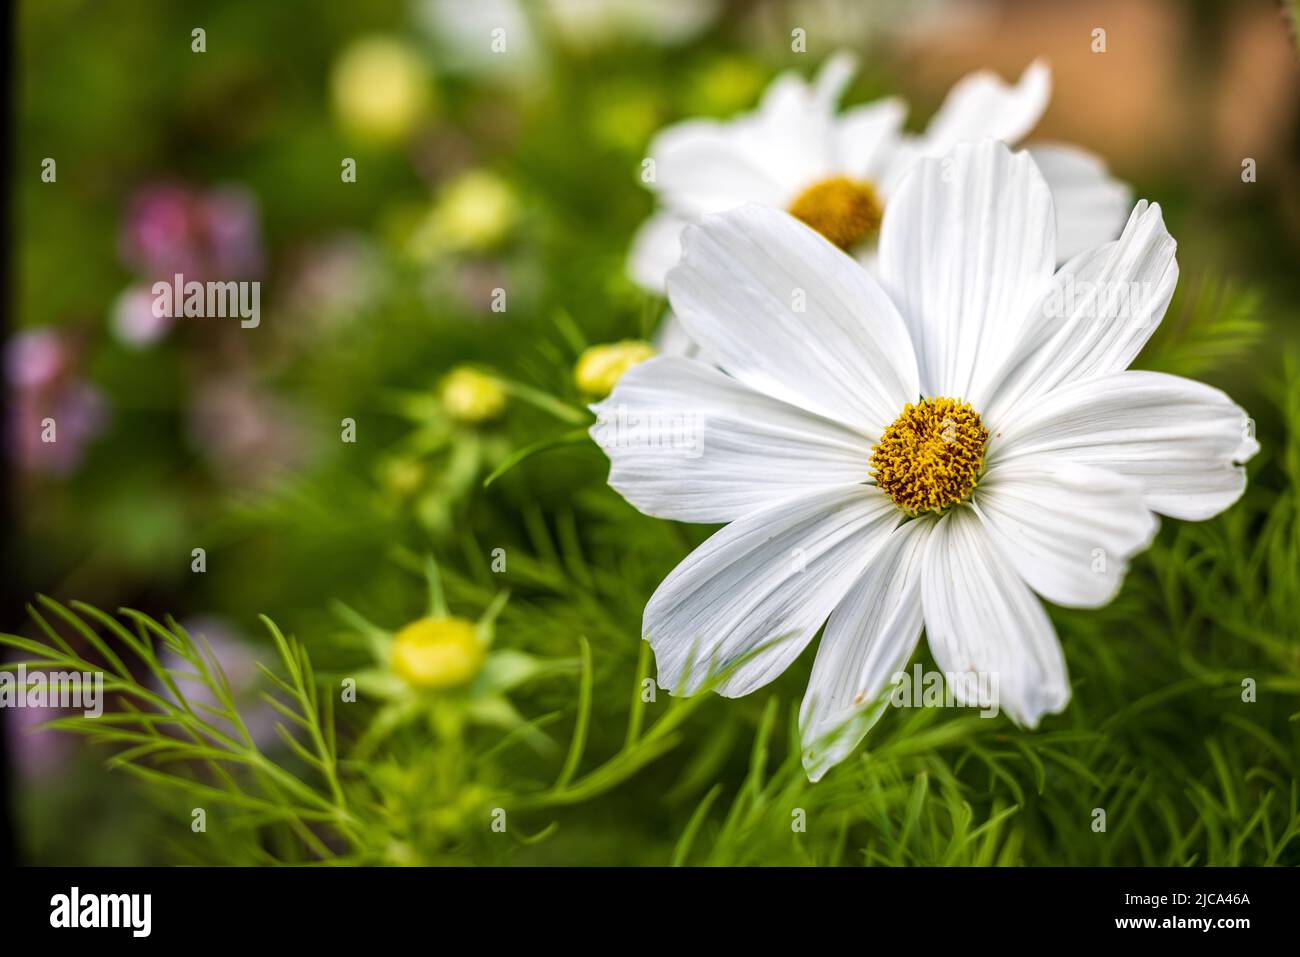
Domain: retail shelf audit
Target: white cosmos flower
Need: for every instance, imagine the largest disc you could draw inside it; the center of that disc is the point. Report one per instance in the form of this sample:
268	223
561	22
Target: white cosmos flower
836	169
927	449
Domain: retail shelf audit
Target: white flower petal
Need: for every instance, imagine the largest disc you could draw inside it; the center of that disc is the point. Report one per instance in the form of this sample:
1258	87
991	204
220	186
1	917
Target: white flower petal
671	339
903	154
768	156
1068	530
981	105
791	134
865	139
1091	205
1098	312
966	249
656	248
702	166
869	638
982	620
789	314
687	442
833	78
753	595
1183	440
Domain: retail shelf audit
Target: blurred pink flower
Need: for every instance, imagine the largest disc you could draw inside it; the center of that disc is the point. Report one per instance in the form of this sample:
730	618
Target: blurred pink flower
133	320
44	383
204	235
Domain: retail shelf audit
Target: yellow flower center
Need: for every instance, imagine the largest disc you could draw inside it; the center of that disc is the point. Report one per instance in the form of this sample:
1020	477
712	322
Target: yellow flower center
931	456
438	652
845	211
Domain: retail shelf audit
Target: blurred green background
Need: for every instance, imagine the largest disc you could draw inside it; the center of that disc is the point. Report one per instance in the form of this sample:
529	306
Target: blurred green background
519	171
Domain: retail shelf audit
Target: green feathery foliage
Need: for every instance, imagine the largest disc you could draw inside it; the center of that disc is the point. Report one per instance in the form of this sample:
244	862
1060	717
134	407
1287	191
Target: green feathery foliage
1184	728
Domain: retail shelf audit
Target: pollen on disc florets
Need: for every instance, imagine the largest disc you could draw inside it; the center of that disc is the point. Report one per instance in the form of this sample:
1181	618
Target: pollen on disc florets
931	456
845	211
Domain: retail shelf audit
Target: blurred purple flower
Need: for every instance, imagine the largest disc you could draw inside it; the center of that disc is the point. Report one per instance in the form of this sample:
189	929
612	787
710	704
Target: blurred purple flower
335	278
476	282
239	661
245	432
34	358
203	235
37	753
44	383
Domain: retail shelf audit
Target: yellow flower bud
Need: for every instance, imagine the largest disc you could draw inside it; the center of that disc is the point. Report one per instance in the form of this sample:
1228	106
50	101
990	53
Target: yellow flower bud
471	397
438	652
476	211
402	477
381	88
600	367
